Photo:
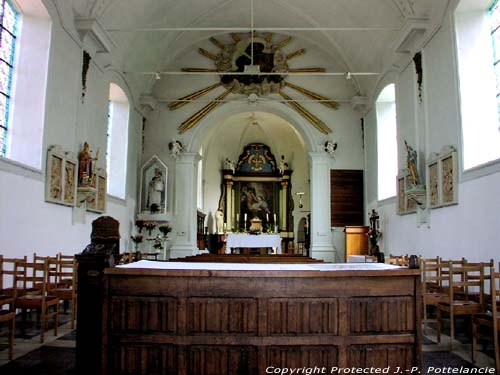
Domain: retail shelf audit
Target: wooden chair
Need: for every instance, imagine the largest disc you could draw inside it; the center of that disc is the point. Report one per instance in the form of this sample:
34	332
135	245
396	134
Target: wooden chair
8	315
488	268
462	278
27	276
7	269
490	320
63	283
433	282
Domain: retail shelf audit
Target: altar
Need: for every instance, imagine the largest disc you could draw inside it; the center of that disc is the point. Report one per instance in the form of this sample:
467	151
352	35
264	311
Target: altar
242	240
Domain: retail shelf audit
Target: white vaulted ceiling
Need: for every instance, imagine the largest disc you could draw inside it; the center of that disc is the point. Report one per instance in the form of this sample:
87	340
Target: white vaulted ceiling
359	36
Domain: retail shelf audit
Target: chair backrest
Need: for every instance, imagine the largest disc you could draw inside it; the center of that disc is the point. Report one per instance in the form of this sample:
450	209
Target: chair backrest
432	275
466	279
66	269
7	270
31	278
495	300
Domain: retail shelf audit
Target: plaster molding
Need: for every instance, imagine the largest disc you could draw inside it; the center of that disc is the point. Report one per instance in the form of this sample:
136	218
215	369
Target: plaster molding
93	35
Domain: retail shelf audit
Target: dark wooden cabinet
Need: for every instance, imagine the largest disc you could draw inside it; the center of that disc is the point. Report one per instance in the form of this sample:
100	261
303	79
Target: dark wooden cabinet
346	198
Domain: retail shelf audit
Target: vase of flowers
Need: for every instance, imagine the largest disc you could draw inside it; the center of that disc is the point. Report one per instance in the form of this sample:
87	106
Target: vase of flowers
150	225
139	223
137	239
165	229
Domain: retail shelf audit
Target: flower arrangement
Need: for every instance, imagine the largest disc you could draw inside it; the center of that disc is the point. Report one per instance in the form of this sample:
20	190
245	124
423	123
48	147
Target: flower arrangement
150	225
165	229
139	223
137	239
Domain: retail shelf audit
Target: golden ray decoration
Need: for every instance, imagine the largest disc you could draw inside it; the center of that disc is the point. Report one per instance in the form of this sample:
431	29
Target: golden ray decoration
194	119
207	54
307	70
217	42
195	95
235	37
199	70
268	38
331	104
299	52
316	122
282	43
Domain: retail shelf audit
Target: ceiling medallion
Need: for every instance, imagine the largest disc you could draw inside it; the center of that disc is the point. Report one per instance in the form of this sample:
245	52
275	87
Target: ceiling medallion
253	55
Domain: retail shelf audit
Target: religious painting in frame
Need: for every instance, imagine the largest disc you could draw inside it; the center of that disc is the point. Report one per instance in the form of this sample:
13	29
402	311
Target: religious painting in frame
257	199
449	177
60	176
153	195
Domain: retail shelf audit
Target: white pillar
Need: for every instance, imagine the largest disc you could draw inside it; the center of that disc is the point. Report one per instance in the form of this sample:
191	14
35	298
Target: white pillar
320	229
185	182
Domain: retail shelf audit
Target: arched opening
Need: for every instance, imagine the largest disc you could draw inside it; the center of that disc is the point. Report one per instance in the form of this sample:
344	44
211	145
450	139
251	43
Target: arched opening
117	141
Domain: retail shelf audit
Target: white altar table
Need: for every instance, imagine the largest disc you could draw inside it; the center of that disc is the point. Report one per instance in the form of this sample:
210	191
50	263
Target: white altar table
251	240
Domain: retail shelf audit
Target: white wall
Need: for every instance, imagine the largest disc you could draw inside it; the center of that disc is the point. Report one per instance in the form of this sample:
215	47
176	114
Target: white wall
27	223
469	229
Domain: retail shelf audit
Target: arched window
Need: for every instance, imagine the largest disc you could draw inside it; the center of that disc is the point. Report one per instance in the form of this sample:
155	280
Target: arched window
24	51
387	148
117	141
8	31
478	53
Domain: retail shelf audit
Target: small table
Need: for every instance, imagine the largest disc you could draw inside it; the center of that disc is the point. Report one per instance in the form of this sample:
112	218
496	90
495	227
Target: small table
253	240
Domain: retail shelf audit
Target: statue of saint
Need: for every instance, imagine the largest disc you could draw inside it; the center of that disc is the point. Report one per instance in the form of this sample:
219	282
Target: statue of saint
411	164
156	191
85	169
219	221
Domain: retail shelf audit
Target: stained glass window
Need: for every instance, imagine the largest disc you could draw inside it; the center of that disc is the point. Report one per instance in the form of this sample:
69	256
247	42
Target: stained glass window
8	25
495	35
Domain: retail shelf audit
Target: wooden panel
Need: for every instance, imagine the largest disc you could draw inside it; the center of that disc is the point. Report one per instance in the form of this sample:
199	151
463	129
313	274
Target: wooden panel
346	197
222	315
240	322
302	356
208	360
144	359
382	315
382	356
143	314
290	316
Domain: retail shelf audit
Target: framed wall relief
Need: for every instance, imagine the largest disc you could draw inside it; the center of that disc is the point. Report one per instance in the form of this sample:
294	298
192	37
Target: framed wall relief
442	171
97	202
401	194
449	176
433	180
60	176
153	195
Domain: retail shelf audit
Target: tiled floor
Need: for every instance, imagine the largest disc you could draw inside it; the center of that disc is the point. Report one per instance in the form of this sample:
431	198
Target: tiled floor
57	355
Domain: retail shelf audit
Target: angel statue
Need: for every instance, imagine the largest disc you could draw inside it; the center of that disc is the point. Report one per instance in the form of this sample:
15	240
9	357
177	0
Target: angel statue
175	148
330	148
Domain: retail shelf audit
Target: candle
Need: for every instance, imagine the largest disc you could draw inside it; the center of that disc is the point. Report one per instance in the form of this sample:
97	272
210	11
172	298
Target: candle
245	217
238	218
274	218
267	217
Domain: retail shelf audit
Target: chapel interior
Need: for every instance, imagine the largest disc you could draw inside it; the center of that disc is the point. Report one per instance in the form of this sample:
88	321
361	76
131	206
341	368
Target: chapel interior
320	177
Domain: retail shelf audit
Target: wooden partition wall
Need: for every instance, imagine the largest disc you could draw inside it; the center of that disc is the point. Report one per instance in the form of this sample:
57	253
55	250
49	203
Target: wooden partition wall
192	322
